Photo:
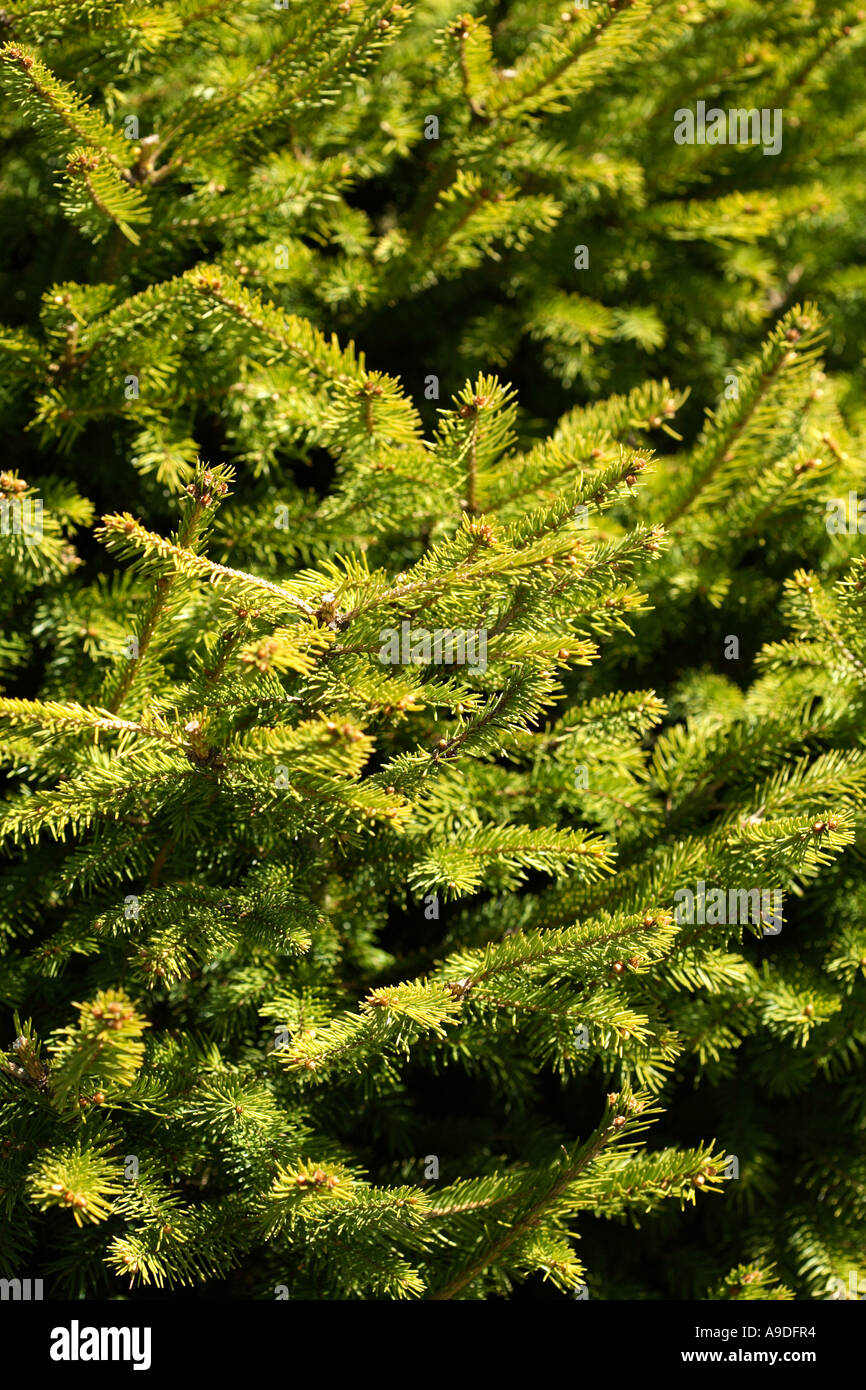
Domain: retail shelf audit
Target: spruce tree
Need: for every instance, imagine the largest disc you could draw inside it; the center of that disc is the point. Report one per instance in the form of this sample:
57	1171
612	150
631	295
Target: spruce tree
432	684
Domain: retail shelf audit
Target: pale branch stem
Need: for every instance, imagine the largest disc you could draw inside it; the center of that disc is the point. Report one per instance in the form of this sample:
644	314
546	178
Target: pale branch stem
530	1219
472	470
727	442
164	586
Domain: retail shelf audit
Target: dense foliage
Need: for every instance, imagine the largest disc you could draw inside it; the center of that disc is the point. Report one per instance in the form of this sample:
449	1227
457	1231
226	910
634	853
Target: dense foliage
427	651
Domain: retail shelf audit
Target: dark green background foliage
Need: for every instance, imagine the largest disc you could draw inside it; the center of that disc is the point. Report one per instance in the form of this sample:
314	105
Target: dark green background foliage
295	349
